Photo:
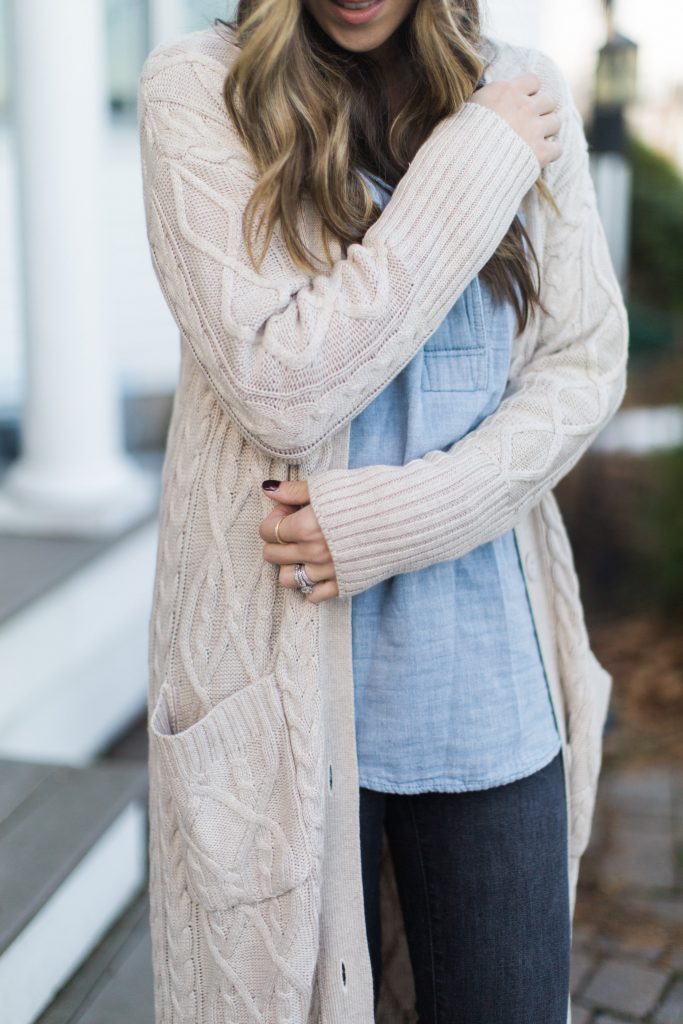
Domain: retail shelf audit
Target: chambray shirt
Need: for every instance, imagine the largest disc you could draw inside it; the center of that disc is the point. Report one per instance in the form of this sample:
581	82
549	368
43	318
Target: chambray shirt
449	684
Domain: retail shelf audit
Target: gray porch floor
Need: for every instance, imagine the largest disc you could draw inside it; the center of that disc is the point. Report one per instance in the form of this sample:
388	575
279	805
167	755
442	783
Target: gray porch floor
33	565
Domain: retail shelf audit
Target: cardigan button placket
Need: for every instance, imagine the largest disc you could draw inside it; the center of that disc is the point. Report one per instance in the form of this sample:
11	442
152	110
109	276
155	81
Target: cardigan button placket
531	566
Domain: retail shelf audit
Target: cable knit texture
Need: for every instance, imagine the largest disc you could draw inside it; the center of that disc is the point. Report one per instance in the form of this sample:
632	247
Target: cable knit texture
255	884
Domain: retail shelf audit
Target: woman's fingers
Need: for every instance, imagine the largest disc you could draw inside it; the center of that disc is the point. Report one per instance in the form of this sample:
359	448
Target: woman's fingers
551	124
316	573
323	592
298	525
298	537
552	150
528	82
276	518
544	102
315	551
323	579
299	540
527	109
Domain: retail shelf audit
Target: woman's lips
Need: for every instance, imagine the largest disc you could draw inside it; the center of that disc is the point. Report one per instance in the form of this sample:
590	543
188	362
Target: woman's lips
357	17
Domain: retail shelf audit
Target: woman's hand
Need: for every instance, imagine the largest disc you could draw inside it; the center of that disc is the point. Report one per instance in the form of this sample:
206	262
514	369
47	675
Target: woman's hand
303	540
531	112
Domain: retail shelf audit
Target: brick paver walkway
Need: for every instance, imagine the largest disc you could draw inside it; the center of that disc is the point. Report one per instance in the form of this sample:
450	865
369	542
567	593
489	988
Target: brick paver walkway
627	960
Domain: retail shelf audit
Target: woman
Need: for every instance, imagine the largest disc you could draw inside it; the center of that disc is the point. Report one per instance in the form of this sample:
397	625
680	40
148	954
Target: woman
428	339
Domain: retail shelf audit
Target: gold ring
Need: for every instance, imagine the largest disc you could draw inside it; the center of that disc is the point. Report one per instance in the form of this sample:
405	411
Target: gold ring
277	531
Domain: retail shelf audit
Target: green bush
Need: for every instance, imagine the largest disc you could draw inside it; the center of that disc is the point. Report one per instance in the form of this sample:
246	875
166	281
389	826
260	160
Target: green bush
657	230
652	332
667	528
667	524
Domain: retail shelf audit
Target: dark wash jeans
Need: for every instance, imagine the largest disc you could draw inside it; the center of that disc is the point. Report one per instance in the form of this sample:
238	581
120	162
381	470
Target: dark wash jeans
482	881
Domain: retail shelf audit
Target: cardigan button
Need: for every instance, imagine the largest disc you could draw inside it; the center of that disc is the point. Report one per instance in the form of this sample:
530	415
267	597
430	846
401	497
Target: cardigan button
531	566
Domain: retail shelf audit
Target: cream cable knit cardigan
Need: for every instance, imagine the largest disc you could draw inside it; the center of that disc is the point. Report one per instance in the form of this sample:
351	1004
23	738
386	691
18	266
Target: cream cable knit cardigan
255	884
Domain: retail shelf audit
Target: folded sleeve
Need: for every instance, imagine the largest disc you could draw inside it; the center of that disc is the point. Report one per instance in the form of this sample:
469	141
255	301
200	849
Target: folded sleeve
383	520
292	357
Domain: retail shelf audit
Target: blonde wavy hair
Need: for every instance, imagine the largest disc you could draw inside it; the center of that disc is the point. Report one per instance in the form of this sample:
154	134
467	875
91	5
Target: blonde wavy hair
312	113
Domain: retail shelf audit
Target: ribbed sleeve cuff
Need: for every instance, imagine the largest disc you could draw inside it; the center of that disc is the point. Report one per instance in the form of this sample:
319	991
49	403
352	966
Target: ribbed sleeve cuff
477	209
380	521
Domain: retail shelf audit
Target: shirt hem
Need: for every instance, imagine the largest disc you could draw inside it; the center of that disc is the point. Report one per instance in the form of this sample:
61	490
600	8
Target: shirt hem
446	784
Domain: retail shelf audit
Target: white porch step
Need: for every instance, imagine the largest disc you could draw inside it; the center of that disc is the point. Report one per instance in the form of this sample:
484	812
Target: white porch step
73	854
114	985
74	615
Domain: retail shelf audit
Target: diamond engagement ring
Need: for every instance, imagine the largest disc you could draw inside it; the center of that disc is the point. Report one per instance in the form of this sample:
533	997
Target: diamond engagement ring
304	583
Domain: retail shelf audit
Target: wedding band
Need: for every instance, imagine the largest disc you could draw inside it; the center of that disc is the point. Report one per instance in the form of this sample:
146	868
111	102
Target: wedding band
277	532
304	582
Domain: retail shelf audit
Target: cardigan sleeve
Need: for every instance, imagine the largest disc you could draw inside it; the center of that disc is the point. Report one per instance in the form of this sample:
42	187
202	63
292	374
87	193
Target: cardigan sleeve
292	357
379	521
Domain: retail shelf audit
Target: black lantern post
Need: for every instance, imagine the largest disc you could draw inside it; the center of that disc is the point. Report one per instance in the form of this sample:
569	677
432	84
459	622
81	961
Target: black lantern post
615	87
615	90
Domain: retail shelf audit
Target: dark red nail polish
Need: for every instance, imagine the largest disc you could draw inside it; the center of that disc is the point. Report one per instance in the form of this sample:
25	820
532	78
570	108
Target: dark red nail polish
271	485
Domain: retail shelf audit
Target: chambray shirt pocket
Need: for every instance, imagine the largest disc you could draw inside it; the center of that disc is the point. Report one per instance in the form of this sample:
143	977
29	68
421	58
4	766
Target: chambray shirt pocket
455	356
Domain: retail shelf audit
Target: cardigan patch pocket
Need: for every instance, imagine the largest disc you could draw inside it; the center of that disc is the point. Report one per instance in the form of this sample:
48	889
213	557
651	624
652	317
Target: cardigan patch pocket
232	780
455	356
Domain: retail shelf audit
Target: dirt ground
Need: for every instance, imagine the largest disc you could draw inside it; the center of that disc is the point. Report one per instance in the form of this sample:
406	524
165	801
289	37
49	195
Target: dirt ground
644	731
644	653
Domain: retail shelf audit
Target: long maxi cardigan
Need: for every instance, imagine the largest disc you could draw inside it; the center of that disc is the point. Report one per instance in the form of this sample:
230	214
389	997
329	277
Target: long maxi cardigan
255	884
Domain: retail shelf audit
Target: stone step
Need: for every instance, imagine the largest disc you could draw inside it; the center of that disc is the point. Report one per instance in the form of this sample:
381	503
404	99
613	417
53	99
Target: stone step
73	854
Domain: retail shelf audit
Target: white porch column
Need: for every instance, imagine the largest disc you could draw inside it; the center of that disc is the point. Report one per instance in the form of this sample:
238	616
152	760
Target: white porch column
612	177
73	475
